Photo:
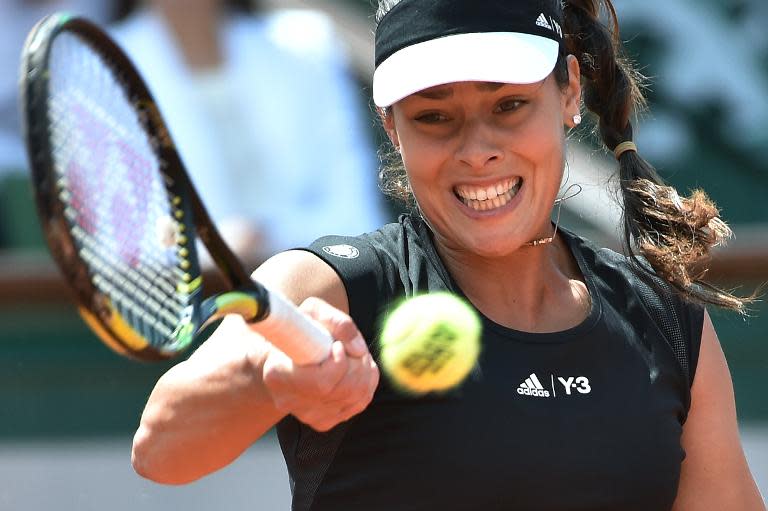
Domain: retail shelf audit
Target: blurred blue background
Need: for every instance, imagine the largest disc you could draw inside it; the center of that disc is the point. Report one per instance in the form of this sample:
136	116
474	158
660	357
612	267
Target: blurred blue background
68	406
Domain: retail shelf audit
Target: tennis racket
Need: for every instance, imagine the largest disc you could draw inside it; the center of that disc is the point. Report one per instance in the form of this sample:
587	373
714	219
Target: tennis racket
120	214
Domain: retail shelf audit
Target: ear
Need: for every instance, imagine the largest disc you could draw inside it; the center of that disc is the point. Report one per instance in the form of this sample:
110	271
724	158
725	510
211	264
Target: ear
572	94
388	121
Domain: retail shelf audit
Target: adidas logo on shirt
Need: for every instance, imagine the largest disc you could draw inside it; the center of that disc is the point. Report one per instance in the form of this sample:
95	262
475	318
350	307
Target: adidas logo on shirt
532	387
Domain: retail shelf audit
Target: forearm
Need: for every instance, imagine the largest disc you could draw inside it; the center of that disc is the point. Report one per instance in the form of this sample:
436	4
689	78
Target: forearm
204	413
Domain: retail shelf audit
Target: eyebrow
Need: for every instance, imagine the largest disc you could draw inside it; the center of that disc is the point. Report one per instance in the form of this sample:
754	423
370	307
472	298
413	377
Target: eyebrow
445	91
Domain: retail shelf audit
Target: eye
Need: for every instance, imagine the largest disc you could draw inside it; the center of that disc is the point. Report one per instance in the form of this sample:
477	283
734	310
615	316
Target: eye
509	105
431	118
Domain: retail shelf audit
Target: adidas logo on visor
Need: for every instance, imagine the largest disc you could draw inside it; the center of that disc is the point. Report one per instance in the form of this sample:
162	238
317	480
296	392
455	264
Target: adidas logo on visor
542	21
550	24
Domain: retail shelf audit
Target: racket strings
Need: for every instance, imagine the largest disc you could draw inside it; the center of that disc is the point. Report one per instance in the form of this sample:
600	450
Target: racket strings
114	193
140	281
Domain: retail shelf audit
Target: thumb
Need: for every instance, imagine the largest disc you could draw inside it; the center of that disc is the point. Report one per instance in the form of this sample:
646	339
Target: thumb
339	325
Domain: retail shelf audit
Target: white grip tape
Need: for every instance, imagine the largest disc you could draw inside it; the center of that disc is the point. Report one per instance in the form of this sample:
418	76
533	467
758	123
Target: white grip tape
294	333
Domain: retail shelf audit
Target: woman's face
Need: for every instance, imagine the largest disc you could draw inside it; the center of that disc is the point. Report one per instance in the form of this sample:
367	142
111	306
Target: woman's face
485	160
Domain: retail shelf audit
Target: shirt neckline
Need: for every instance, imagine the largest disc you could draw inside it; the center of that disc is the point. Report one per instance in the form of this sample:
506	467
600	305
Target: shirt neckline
576	246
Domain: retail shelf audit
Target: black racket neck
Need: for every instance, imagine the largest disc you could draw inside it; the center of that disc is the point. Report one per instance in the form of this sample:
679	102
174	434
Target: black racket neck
230	266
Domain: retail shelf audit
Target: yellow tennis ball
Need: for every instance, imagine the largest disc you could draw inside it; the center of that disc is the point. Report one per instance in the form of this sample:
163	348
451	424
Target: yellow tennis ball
430	343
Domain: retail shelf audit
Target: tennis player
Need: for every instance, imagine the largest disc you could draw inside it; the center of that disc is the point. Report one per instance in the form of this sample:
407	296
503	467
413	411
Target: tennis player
599	387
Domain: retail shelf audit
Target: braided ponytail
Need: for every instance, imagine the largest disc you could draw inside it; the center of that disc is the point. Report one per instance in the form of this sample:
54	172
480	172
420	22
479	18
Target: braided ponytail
674	234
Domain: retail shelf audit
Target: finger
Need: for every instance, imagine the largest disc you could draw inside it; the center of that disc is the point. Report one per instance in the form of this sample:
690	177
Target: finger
338	324
323	424
277	377
295	389
348	398
331	371
355	408
317	381
355	391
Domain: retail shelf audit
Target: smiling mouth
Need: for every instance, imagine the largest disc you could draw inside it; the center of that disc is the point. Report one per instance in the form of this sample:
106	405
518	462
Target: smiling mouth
487	198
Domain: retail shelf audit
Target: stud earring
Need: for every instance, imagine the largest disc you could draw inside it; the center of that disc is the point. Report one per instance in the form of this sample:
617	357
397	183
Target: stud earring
577	119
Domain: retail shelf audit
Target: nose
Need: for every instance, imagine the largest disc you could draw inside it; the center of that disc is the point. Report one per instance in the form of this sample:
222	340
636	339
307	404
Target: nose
479	145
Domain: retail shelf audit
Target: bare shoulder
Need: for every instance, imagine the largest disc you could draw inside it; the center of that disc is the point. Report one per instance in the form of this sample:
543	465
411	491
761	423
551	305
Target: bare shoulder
299	274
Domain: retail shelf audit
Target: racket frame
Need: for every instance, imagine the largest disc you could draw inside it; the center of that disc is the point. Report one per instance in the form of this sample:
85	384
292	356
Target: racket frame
191	213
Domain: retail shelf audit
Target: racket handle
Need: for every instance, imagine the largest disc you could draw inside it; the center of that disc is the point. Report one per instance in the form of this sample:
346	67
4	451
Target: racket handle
294	333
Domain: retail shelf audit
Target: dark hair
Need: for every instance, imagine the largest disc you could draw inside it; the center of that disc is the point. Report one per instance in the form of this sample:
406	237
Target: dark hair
674	234
124	8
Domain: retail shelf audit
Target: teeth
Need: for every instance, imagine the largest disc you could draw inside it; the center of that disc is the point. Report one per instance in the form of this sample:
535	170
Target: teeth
491	197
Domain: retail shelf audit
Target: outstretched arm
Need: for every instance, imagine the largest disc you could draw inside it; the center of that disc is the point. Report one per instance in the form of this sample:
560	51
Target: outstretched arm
207	410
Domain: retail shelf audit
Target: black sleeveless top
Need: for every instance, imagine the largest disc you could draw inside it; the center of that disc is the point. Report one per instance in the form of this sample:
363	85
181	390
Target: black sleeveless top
585	419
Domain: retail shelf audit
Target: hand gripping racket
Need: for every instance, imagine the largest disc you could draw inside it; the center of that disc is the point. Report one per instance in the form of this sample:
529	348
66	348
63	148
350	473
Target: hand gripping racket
119	212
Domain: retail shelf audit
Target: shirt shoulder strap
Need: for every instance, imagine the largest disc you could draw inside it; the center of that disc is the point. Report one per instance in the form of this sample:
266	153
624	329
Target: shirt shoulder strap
667	314
679	321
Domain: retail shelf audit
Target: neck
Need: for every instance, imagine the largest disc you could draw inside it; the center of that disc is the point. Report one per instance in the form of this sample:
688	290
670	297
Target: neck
522	289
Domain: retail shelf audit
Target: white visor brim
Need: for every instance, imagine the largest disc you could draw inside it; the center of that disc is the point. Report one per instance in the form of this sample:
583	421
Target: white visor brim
504	57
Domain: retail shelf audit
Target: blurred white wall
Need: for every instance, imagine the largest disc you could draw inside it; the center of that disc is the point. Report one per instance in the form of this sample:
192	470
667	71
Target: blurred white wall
17	17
